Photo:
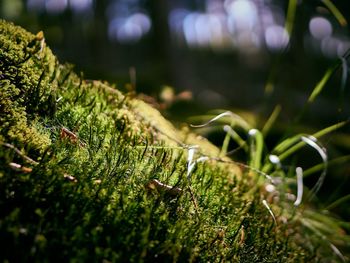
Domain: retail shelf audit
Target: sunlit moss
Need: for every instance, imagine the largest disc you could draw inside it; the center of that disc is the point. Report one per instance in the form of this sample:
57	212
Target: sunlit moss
27	85
87	198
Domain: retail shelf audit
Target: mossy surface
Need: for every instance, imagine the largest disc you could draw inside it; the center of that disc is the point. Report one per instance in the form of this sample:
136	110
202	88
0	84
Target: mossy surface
76	161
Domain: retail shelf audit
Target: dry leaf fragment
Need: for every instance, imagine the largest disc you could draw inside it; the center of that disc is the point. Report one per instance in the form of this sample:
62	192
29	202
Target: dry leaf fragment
20	168
40	37
71	136
65	133
242	237
70	178
155	184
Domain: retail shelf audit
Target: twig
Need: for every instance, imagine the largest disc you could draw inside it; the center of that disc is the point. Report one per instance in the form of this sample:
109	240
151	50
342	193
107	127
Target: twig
25	157
161	187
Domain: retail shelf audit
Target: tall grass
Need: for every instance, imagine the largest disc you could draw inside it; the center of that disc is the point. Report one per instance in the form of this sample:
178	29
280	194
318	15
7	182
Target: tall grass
276	169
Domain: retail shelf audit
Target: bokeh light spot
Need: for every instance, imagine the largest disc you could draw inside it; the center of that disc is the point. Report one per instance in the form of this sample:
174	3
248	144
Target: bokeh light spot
243	13
320	28
276	37
129	29
80	5
56	6
36	5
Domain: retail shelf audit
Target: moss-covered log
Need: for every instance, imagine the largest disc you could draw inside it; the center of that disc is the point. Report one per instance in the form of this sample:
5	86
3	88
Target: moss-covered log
88	173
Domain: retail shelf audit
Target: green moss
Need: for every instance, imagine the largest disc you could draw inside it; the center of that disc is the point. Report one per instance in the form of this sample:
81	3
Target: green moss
27	69
88	198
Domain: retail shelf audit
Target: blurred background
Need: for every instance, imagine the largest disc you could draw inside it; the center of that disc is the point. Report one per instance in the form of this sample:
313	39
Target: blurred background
242	55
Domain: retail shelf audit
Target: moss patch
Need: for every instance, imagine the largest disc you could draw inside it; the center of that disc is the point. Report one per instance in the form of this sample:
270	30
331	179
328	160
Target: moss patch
87	196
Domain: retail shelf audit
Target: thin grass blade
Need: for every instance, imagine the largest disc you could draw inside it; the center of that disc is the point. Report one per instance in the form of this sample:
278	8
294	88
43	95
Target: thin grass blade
291	145
337	252
310	225
288	151
319	167
290	20
256	148
271	120
338	202
312	142
225	144
235	136
321	84
335	11
233	118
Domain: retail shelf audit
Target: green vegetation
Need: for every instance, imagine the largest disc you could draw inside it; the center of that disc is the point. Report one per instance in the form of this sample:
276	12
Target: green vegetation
90	174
